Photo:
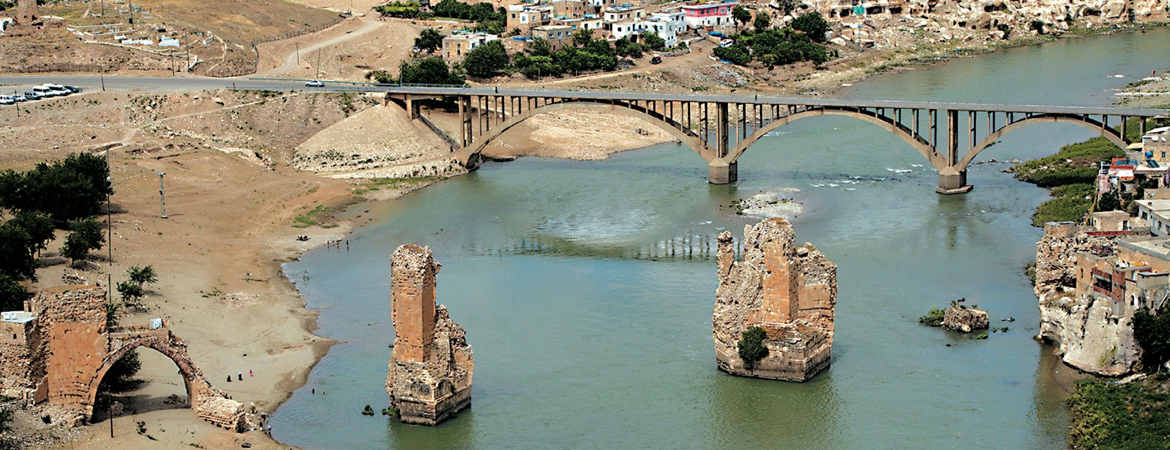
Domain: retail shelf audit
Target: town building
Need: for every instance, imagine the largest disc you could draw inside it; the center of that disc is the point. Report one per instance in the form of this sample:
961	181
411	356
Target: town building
456	46
1155	213
525	16
667	25
623	13
715	15
568	9
558	36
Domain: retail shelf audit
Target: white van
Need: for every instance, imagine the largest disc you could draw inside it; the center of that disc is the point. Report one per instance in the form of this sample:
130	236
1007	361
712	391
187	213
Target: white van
59	89
44	91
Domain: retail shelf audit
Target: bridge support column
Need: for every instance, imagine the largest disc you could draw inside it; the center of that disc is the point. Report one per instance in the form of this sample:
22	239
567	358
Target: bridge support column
951	181
719	172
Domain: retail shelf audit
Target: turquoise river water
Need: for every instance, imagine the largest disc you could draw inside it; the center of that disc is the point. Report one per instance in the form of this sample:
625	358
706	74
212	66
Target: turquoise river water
587	333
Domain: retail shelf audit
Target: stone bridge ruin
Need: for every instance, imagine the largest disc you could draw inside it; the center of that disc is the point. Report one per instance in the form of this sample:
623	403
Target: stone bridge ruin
59	349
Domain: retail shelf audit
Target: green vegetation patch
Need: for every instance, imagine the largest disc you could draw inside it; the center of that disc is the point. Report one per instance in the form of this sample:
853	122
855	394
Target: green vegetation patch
377	184
751	346
1074	163
1107	415
933	318
1070	205
310	218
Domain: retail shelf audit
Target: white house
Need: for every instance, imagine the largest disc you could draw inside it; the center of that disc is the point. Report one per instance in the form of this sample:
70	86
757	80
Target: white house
717	15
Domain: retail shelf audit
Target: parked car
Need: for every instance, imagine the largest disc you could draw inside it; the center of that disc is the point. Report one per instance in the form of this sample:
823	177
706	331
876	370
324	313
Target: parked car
656	60
315	83
6	100
20	98
73	89
32	95
43	92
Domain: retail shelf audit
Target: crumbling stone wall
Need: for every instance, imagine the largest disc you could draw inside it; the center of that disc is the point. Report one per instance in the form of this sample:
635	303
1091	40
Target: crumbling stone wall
68	349
429	375
1087	333
789	291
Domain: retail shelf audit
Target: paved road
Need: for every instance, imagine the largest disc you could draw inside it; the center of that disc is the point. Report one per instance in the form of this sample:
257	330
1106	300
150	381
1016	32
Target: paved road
178	84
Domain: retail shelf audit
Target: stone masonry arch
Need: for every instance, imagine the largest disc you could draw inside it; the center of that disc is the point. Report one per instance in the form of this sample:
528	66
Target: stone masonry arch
901	131
210	403
1106	132
470	157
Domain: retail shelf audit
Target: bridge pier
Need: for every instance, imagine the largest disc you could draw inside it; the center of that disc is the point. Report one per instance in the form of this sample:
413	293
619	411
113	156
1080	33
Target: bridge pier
951	181
719	172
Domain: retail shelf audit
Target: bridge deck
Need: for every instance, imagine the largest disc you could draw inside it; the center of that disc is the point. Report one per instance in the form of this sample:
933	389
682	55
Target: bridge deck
776	100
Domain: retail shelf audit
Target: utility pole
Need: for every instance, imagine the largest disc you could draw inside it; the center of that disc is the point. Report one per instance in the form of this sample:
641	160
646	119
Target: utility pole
318	77
162	194
298	54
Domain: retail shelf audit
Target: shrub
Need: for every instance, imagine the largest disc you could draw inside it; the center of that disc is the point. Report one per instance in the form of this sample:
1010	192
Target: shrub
368	411
652	40
762	22
735	54
933	318
1109	415
131	293
142	275
428	71
12	296
751	346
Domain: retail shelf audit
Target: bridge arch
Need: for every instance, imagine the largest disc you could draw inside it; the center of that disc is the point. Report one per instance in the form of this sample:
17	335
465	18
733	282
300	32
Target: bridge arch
470	157
903	132
1112	135
209	403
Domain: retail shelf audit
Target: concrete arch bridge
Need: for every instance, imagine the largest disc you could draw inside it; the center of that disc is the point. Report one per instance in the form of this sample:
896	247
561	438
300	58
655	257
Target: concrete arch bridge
721	128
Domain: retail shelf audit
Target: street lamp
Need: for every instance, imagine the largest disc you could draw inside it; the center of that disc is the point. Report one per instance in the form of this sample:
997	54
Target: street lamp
162	201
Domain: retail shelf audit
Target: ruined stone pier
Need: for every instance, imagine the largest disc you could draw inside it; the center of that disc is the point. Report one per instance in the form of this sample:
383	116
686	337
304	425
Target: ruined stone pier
429	377
788	291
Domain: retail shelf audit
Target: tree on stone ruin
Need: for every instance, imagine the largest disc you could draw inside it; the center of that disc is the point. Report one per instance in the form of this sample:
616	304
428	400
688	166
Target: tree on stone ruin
751	346
428	40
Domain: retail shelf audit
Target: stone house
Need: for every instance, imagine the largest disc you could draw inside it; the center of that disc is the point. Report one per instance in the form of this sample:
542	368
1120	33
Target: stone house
456	46
557	35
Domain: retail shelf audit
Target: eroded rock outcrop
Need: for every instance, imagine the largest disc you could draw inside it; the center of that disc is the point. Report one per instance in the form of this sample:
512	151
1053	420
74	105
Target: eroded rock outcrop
788	291
1090	336
430	371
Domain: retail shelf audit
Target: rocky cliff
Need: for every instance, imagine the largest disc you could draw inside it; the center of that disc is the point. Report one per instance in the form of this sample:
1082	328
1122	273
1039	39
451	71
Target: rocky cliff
1089	336
429	376
788	291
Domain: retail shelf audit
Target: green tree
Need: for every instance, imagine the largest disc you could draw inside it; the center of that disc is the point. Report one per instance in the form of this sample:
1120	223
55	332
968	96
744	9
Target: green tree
539	47
131	293
12	296
486	60
1037	26
787	6
123	370
142	275
86	236
5	420
751	346
763	21
73	188
1152	333
428	71
812	25
652	40
17	252
741	15
38	226
582	37
623	47
429	40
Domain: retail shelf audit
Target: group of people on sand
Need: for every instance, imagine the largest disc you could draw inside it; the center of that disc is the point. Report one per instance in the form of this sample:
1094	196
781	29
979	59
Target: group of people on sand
240	376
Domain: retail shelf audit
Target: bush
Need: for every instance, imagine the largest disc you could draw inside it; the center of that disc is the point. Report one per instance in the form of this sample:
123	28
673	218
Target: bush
751	346
406	10
741	15
539	47
124	369
142	275
1074	163
5	420
735	54
652	40
762	22
933	318
484	61
17	252
131	293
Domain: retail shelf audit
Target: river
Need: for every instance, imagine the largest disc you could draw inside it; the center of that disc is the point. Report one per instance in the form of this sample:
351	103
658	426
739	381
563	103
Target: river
588	333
